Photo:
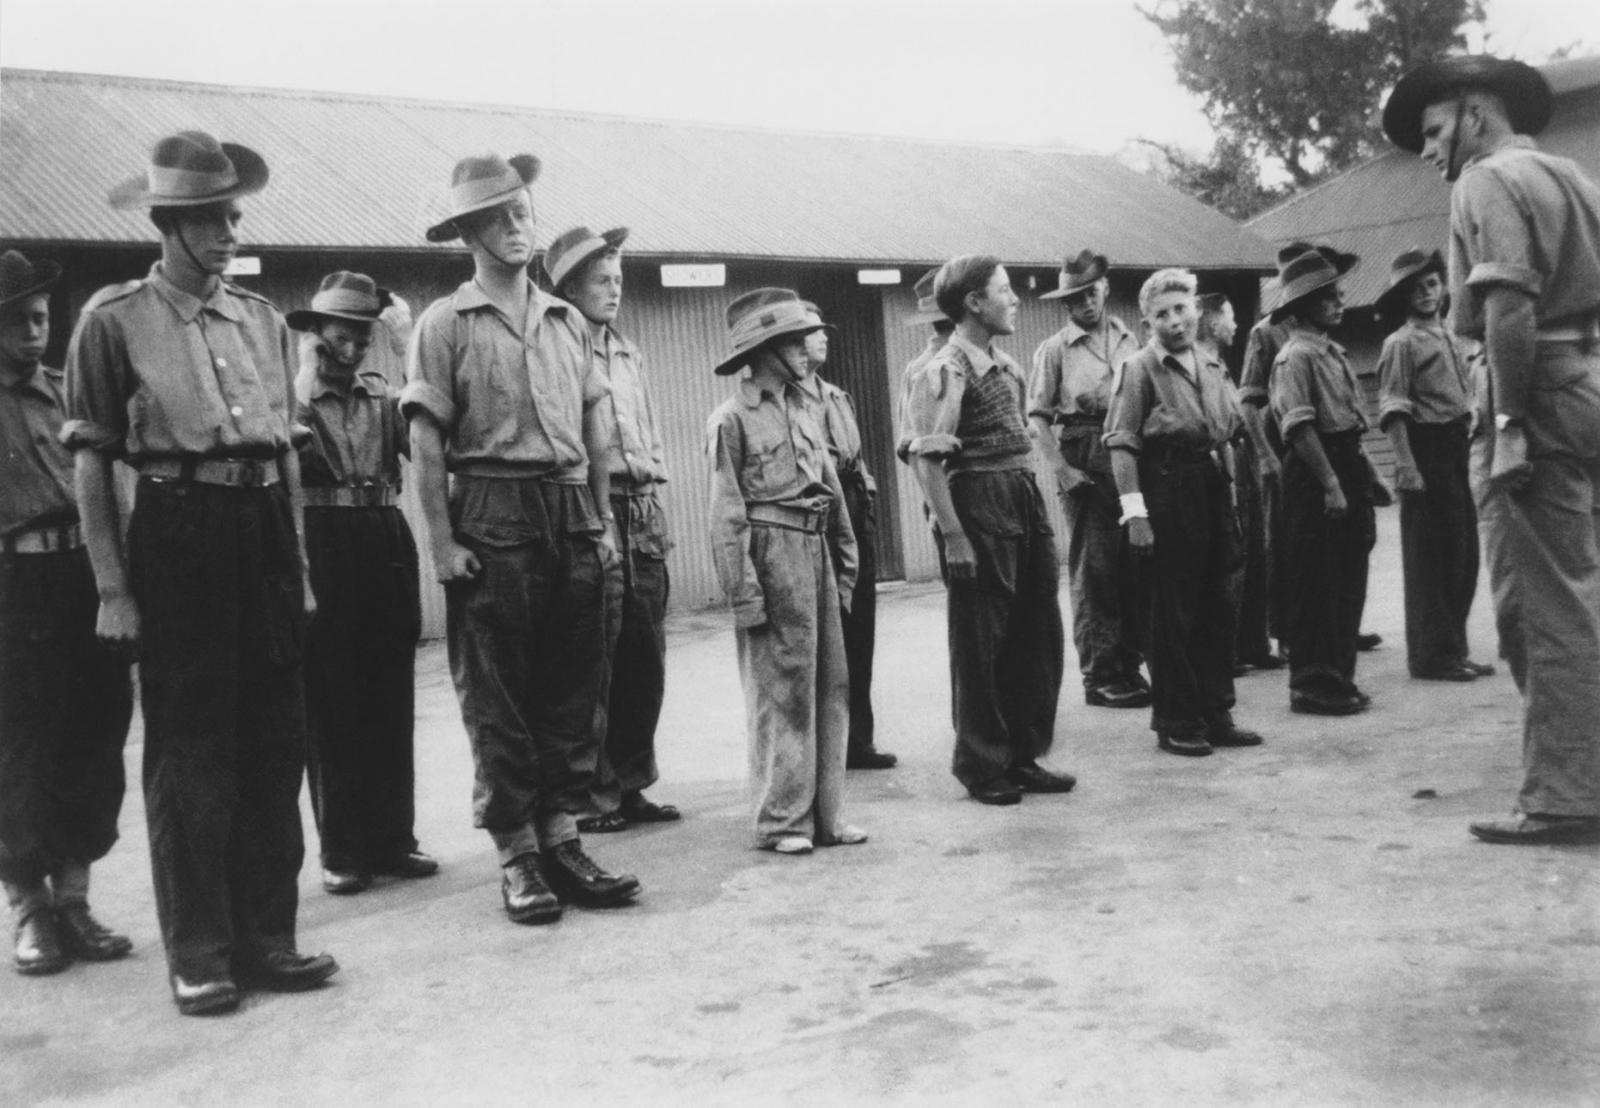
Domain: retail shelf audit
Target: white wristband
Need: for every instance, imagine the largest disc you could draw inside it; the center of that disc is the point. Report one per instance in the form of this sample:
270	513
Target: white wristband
1133	507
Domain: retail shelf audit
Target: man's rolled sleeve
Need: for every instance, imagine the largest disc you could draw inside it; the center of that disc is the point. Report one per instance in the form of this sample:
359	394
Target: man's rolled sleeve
933	412
1044	383
1500	241
1396	378
1256	375
730	527
430	367
98	381
1294	392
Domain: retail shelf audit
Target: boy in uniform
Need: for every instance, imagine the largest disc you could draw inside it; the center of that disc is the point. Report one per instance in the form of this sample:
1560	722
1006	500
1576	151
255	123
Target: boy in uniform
65	698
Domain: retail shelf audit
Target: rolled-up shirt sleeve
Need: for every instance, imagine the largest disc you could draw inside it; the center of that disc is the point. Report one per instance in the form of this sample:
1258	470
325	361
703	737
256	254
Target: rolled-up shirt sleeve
1294	395
1256	374
1130	403
98	384
1044	383
730	528
1397	373
1498	233
933	411
430	362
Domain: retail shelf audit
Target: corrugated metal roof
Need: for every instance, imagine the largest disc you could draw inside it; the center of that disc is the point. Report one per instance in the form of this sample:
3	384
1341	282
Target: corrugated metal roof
1397	201
352	171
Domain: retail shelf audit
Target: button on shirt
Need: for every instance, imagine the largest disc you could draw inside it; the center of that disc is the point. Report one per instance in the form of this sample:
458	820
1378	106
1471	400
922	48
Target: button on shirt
500	396
1424	375
1072	369
357	433
1158	401
1524	219
834	412
153	371
637	457
35	468
1312	383
933	409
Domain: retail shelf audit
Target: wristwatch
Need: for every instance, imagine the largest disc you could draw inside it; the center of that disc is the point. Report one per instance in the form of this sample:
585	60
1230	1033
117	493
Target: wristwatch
1502	422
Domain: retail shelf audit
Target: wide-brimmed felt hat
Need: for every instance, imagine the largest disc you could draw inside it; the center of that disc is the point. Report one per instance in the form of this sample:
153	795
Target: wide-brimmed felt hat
189	169
1310	273
353	297
1078	274
1528	99
572	248
927	305
758	317
20	278
1406	265
480	182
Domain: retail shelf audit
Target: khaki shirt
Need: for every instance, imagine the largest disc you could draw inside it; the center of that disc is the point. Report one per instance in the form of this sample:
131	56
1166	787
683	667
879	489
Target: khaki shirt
1524	219
35	468
1424	375
908	386
636	455
1072	370
1312	382
499	396
933	408
1156	401
765	448
833	411
356	433
155	372
1260	354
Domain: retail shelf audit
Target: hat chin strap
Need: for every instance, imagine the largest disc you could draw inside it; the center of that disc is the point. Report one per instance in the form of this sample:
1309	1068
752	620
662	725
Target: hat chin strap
183	241
1450	170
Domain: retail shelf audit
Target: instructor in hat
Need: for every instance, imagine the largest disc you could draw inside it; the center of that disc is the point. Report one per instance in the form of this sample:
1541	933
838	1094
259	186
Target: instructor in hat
1524	279
190	380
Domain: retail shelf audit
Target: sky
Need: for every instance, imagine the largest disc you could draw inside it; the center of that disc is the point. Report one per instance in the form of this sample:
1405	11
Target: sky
1090	74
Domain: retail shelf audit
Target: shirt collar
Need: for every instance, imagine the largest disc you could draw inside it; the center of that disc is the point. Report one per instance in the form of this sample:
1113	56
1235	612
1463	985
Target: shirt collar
189	306
367	382
1514	142
470	297
1319	339
34	381
752	393
981	361
1074	333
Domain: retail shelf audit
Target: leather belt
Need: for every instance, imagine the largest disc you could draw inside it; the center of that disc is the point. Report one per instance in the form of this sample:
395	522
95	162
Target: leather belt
1582	332
812	518
243	473
44	540
351	496
1078	419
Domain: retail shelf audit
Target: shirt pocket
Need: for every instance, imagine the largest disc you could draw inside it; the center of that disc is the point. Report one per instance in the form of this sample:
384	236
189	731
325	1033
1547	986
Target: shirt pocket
769	464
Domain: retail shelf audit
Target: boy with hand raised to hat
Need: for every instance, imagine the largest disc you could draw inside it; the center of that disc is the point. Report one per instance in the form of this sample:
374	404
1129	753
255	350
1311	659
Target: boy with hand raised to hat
1069	392
970	450
786	558
190	380
585	269
1173	415
65	699
361	644
1425	405
1524	279
503	397
835	413
1329	490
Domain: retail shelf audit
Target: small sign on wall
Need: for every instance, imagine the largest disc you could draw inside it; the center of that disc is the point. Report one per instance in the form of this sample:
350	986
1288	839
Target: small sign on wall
710	276
877	276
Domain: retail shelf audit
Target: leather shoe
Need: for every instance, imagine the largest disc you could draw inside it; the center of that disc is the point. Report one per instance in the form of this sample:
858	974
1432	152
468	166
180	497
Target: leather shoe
85	938
286	971
576	877
1031	777
870	757
1117	694
1368	640
1190	746
523	891
411	864
39	949
1310	704
1534	830
1222	732
1457	672
204	998
848	835
789	844
1266	661
343	882
637	809
1482	669
999	792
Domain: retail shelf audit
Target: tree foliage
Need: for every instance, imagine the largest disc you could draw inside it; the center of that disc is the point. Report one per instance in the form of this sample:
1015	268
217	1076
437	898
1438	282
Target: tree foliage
1282	80
1229	179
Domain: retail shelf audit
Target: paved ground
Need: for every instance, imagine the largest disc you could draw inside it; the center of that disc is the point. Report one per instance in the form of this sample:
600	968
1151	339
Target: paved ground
1287	926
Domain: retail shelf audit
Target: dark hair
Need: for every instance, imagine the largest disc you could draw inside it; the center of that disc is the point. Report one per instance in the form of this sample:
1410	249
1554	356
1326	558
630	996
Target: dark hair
959	276
165	219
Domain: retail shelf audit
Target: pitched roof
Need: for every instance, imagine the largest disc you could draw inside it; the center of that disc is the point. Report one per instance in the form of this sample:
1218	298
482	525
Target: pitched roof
359	171
1397	201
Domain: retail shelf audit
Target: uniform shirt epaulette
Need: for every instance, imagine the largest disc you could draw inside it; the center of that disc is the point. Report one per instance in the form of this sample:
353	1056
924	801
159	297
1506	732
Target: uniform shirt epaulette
247	294
111	293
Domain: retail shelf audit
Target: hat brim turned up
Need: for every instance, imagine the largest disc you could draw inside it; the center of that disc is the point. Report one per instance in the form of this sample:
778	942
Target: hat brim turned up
1389	301
249	168
42	276
527	167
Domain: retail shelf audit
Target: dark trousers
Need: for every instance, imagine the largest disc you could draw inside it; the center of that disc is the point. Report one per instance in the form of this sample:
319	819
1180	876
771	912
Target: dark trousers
1249	581
1184	603
861	621
636	671
1438	549
360	708
65	703
216	575
1325	567
527	645
1105	630
1006	640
